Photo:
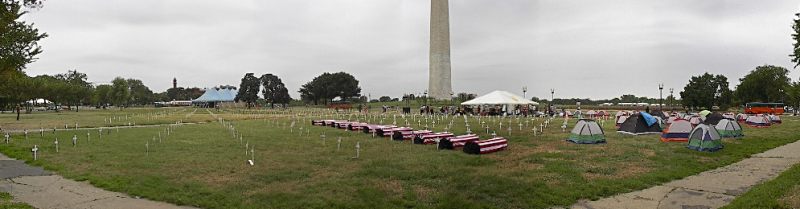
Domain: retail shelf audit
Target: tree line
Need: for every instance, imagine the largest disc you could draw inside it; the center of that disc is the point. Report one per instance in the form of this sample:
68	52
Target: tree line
273	92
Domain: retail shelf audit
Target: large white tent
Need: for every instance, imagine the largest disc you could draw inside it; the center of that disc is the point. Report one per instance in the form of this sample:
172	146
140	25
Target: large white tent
499	98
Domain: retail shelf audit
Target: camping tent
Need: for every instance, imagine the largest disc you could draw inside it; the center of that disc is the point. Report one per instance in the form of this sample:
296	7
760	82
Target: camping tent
673	118
587	131
704	138
704	113
713	118
621	119
758	121
694	119
678	131
729	128
729	115
775	119
640	123
499	98
741	117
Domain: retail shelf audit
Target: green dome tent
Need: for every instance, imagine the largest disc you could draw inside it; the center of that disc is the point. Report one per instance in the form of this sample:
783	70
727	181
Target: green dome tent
587	131
704	138
729	128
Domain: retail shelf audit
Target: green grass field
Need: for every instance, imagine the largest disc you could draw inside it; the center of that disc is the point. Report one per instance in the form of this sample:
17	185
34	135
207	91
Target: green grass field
7	203
204	165
782	192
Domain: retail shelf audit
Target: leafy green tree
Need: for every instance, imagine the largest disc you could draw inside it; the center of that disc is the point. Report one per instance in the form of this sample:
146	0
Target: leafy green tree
120	92
52	89
18	39
706	91
139	93
796	37
327	86
794	95
274	90
766	83
101	95
18	47
248	89
345	86
78	88
627	98
18	87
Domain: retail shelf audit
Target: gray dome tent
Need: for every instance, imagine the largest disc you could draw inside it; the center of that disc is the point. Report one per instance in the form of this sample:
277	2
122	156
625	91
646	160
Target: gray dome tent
640	123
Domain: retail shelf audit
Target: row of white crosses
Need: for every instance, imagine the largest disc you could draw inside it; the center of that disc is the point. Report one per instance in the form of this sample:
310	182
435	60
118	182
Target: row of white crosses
249	150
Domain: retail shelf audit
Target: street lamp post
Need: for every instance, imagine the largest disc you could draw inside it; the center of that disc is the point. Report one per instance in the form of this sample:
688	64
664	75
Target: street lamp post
449	110
671	98
525	92
426	101
552	93
717	95
660	97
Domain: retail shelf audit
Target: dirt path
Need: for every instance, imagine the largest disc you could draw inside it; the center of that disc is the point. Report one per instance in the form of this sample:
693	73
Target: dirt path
41	189
709	189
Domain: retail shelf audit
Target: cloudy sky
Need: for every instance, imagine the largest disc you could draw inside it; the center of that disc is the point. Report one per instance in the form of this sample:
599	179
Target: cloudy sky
584	49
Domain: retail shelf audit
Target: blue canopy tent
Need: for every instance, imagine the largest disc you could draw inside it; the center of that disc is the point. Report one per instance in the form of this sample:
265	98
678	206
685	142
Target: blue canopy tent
215	95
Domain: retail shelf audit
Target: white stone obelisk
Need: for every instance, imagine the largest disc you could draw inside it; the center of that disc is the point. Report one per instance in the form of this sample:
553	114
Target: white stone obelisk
439	85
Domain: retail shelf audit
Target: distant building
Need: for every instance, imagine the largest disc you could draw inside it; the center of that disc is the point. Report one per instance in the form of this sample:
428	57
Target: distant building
174	83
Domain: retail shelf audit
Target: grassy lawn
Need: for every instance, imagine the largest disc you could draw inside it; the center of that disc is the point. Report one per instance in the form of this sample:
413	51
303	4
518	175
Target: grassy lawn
114	117
6	202
781	192
203	165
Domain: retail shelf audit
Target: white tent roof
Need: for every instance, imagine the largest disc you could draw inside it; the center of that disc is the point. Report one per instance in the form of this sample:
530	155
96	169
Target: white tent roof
499	97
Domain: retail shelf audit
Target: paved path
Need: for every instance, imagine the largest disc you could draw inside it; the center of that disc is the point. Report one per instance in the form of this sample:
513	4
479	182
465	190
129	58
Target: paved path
709	189
41	189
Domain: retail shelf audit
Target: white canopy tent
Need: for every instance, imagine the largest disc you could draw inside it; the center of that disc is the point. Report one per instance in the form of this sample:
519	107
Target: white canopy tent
500	98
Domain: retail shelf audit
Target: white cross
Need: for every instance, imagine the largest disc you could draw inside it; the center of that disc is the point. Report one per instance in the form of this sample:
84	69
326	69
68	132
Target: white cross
74	140
338	143
35	150
56	142
358	149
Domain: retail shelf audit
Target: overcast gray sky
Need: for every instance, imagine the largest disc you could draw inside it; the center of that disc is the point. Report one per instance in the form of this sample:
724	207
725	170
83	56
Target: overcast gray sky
583	49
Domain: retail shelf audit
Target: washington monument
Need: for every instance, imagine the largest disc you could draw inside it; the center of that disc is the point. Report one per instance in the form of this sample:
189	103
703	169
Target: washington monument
439	86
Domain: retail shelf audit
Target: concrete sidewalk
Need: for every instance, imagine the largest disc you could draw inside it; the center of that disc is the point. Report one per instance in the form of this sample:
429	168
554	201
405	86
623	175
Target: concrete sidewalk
709	189
41	189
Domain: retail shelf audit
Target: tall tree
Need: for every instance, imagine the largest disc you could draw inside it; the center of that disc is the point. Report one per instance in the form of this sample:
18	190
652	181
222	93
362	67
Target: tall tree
794	95
18	87
101	95
766	83
120	92
18	46
18	39
345	86
78	87
796	36
274	90
328	86
248	89
706	91
139	93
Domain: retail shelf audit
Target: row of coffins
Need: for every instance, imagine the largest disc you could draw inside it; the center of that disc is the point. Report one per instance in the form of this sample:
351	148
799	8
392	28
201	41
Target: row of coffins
469	143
